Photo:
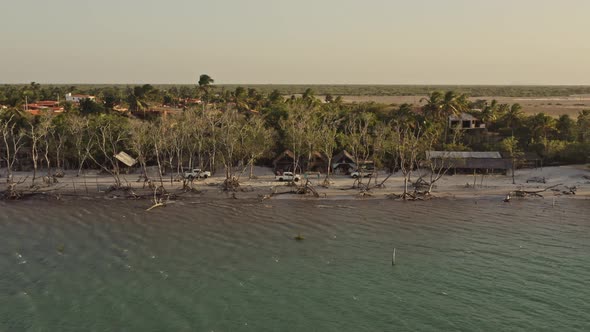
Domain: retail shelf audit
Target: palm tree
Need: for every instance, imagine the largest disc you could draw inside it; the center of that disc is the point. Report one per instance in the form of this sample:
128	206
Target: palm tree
513	116
584	125
490	112
205	82
136	100
433	104
309	98
453	104
503	109
404	115
542	125
510	146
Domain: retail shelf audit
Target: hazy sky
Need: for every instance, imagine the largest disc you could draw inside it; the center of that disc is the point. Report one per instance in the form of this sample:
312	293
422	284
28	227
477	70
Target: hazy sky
303	41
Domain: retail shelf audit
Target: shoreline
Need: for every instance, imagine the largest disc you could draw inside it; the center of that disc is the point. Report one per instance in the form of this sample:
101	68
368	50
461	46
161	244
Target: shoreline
92	185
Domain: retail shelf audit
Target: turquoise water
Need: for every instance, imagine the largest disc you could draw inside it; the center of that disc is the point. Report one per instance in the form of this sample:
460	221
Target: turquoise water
234	266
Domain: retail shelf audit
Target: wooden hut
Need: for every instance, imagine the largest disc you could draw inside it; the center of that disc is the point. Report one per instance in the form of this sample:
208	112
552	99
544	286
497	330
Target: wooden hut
317	162
470	161
343	163
284	162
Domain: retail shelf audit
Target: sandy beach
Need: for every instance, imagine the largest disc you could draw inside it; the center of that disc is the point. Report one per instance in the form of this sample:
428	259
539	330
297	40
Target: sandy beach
93	184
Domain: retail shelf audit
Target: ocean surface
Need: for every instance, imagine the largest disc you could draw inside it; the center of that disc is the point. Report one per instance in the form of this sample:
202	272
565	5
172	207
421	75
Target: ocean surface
233	265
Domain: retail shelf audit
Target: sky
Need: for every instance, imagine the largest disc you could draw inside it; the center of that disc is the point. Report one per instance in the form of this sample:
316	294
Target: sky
543	42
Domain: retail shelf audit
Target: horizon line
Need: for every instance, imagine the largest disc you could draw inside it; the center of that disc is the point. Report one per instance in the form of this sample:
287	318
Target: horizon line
320	84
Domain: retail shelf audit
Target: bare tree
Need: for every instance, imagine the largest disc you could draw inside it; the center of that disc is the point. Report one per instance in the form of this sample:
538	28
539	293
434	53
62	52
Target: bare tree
59	138
35	135
13	139
407	142
296	131
79	132
257	141
141	142
358	139
382	150
47	129
109	136
231	134
327	135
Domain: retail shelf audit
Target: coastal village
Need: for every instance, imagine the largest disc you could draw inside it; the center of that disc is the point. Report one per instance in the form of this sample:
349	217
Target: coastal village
355	159
332	166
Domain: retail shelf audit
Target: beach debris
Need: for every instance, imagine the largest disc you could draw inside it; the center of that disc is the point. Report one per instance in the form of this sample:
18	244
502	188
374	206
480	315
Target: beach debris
231	184
533	193
301	189
160	198
364	194
421	184
263	197
414	196
126	159
536	179
570	190
11	192
49	180
307	189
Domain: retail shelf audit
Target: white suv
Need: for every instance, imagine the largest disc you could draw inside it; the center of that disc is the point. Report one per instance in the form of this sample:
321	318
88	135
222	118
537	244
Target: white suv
357	174
288	176
197	173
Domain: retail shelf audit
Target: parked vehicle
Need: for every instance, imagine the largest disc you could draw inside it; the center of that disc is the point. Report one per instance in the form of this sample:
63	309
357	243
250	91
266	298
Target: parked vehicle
366	174
288	176
196	173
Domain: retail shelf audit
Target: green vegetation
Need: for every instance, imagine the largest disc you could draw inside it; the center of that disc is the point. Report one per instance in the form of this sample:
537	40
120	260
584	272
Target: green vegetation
330	91
181	127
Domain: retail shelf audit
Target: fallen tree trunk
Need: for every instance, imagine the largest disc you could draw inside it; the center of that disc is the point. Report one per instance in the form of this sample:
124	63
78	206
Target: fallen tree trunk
526	193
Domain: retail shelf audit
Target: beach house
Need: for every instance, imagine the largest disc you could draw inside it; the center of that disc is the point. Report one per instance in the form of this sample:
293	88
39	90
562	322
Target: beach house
465	121
469	161
76	98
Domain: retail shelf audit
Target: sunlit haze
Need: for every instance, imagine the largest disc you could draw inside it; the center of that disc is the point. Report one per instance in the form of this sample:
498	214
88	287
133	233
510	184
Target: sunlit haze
303	42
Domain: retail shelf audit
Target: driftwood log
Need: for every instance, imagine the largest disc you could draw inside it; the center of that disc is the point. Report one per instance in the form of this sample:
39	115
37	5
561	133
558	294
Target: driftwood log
306	189
530	193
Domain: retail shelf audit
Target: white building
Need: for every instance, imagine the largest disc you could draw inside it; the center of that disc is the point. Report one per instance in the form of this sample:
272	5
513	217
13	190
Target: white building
465	121
77	98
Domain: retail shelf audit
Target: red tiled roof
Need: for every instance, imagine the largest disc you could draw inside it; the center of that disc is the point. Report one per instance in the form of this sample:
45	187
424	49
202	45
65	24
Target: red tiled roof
47	103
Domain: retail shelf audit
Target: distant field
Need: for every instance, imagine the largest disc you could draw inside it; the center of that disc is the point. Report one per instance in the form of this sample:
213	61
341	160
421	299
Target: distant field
412	90
554	106
552	100
383	90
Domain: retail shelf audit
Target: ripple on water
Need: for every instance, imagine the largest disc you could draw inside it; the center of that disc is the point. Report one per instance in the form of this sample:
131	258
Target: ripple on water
224	264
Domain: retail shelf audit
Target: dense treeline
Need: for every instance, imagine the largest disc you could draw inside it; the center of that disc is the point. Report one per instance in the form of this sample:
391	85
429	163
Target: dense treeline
188	91
236	129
